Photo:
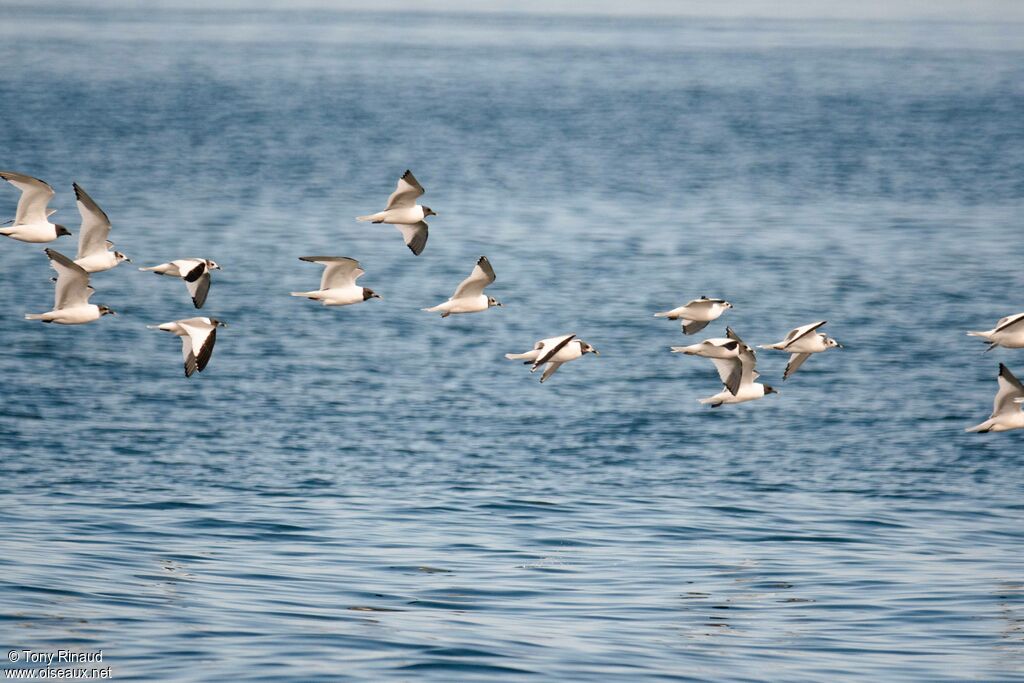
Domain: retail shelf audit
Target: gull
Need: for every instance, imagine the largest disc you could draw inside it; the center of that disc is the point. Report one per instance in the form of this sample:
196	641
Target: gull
71	297
93	246
469	296
198	335
338	283
30	222
1006	409
738	374
1008	333
553	352
696	314
404	213
194	271
719	347
801	343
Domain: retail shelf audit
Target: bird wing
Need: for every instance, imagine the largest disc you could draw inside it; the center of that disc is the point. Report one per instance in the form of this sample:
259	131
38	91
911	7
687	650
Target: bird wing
704	302
1009	321
72	281
795	361
1010	388
198	287
95	225
693	326
549	347
551	369
801	332
202	335
189	356
339	271
35	195
406	193
415	236
730	371
473	285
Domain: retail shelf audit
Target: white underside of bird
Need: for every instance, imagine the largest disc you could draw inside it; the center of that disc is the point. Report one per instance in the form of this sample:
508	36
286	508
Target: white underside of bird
198	336
72	315
194	271
337	296
736	366
473	304
36	233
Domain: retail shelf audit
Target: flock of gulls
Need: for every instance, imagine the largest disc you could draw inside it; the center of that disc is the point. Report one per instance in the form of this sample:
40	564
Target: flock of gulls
734	360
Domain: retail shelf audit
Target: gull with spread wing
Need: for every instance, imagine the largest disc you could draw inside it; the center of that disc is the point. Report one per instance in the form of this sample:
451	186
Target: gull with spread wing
94	253
553	352
695	315
1007	412
404	213
801	343
71	297
198	335
738	374
338	283
469	296
1008	333
194	271
31	222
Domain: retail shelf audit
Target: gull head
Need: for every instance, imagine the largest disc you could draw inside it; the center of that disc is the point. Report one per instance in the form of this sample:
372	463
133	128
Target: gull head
106	310
770	390
61	230
370	294
831	343
118	256
491	301
726	304
217	323
587	348
212	265
427	211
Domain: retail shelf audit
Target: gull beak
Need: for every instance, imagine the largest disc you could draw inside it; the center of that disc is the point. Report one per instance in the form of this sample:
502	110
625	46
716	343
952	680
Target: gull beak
377	296
127	259
596	352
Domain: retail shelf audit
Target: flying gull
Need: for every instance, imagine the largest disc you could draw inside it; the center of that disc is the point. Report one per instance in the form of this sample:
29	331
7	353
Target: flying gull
695	315
553	352
404	213
198	335
338	284
738	374
31	222
1008	333
801	343
1006	409
71	297
194	271
469	296
94	253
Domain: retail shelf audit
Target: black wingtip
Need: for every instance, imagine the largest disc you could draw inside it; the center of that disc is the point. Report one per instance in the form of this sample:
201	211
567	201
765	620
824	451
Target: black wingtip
78	191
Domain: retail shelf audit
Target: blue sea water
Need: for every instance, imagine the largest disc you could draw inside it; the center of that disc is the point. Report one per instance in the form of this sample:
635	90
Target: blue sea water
373	493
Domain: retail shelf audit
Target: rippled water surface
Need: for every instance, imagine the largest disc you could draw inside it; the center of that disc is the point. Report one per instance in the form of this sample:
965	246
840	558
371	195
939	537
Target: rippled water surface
375	493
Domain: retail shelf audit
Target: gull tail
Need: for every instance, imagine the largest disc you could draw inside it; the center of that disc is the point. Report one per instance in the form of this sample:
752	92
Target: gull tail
665	314
150	268
374	217
308	295
983	335
33	316
530	356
